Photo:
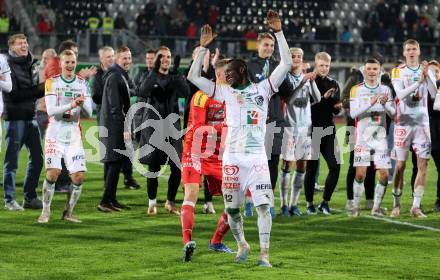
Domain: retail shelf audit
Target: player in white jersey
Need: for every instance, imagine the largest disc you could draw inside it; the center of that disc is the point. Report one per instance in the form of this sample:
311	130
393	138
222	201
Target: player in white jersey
297	140
66	97
370	101
412	88
244	160
5	86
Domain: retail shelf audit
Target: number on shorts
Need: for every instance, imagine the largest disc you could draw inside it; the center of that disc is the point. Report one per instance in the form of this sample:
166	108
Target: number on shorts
48	161
228	197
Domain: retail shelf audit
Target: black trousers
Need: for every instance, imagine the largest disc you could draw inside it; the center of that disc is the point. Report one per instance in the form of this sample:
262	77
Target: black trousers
127	168
369	183
111	174
327	149
173	182
273	169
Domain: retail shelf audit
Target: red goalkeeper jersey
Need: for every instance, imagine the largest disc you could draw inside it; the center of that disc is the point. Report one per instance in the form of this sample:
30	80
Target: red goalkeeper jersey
205	123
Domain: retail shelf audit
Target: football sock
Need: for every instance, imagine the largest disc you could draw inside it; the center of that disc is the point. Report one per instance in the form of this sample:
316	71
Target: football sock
152	202
264	225
187	220
298	180
74	197
284	183
358	189
418	194
236	225
221	230
378	195
48	191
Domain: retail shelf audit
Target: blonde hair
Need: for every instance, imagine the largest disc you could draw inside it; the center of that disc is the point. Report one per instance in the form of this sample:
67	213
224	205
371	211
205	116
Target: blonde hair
14	37
297	50
411	42
323	56
67	53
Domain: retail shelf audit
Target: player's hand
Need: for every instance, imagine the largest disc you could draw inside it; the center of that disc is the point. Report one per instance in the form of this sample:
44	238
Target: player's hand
80	100
2	77
86	73
310	76
214	59
383	99
207	36
329	93
338	106
374	100
273	20
127	135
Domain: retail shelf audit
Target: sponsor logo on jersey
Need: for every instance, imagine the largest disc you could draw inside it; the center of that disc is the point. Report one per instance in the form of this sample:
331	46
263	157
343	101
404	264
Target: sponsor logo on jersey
301	102
231	170
233	186
68	94
260	167
252	117
264	187
259	100
230	178
399	132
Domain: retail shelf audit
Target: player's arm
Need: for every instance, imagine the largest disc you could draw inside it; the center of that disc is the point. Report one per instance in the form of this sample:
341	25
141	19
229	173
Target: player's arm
432	86
5	76
86	107
278	75
389	105
195	72
399	87
356	108
51	101
315	93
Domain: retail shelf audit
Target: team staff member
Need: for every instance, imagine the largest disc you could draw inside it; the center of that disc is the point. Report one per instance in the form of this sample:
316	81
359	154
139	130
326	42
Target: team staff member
322	119
162	88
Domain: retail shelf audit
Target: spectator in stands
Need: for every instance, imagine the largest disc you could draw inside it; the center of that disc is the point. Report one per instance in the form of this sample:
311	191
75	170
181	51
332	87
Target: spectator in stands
213	14
120	22
346	35
382	33
19	113
44	25
161	22
142	24
61	28
411	17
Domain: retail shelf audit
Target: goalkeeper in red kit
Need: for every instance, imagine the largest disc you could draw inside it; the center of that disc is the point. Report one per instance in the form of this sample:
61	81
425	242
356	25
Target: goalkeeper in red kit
201	156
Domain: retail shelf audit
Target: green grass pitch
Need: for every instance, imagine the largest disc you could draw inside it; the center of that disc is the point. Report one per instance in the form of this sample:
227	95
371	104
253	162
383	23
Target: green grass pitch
131	245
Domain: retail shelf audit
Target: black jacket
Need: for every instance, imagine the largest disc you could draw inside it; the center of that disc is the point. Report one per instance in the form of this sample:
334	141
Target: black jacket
162	93
97	91
114	107
275	113
322	112
19	104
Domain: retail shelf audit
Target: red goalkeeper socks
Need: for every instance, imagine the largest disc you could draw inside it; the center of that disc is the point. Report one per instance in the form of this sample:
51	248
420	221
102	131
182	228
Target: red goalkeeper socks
187	220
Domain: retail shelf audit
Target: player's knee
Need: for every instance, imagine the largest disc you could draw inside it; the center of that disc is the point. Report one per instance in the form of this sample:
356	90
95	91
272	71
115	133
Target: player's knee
52	174
263	209
233	211
400	166
286	166
77	178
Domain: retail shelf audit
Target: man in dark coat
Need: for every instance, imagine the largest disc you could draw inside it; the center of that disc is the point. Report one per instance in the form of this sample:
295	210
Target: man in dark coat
161	89
260	68
114	107
20	125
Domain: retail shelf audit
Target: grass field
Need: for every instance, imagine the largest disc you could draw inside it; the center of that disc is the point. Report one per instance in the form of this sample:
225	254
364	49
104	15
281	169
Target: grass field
130	245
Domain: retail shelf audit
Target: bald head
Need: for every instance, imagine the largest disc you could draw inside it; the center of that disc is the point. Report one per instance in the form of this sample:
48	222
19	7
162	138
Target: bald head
47	55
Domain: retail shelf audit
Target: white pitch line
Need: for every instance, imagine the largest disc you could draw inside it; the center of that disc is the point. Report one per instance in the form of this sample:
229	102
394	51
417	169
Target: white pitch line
388	220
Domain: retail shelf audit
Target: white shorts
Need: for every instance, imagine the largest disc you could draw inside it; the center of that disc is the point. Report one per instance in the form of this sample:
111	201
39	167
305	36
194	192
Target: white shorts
72	151
246	172
417	137
371	145
296	147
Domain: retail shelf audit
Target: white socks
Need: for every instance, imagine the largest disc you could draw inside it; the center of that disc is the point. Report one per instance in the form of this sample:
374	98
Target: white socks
76	193
418	195
298	180
284	183
235	222
397	193
264	226
358	189
378	195
48	191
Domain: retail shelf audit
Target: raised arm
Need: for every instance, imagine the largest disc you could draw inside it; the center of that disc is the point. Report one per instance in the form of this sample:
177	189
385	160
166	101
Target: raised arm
398	85
86	107
195	72
278	75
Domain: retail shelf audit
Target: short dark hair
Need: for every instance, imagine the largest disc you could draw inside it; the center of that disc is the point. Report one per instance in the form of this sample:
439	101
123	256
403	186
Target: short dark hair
372	60
151	51
239	62
67	45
